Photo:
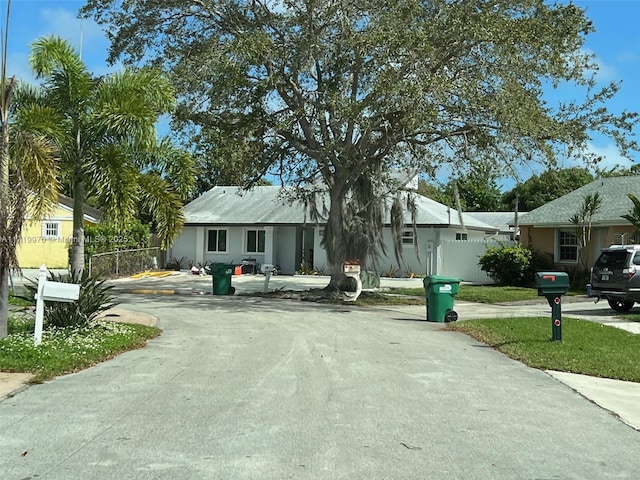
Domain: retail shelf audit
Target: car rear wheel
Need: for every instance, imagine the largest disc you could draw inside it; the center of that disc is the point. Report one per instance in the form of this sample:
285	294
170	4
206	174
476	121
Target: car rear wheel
620	305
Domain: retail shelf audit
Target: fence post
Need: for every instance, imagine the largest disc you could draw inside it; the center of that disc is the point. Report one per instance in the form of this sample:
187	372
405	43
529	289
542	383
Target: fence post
117	262
90	258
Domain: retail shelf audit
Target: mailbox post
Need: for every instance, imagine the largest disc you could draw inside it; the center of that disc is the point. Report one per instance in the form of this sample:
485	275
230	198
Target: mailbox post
51	292
553	285
351	269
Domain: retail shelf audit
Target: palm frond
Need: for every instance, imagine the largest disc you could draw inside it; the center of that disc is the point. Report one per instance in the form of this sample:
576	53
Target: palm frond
113	181
164	205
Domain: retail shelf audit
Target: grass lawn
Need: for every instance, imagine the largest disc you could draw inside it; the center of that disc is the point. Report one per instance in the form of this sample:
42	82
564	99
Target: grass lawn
67	350
587	347
416	296
480	293
632	316
17	300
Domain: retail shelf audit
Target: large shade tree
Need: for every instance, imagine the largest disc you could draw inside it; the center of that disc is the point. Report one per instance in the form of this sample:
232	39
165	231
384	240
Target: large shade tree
539	190
475	190
109	147
338	94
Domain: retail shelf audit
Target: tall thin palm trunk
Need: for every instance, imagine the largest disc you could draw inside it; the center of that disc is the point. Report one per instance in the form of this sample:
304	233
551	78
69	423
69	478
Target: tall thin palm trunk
4	222
77	247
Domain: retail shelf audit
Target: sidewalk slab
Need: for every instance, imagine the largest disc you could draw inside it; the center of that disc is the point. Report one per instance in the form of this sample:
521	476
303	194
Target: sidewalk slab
13	383
619	397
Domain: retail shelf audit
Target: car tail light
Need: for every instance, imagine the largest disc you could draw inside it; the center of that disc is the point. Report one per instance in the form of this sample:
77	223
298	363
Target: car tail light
629	272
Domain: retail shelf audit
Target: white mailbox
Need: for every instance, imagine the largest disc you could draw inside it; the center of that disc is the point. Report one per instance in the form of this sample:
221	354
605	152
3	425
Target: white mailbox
51	292
60	292
351	267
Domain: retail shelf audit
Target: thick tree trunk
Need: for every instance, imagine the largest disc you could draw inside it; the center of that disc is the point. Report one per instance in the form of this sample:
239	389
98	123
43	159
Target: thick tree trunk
336	252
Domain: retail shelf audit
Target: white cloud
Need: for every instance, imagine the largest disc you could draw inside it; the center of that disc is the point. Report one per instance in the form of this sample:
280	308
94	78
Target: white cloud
610	156
65	23
85	35
606	72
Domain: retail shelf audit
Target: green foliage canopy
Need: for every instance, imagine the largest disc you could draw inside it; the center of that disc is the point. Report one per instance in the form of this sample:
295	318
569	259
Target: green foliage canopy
540	189
339	94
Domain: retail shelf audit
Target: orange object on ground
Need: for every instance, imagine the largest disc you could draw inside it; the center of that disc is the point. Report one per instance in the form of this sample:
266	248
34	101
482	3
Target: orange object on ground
237	270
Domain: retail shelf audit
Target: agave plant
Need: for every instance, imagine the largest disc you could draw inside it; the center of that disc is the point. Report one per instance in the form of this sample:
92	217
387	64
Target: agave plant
95	298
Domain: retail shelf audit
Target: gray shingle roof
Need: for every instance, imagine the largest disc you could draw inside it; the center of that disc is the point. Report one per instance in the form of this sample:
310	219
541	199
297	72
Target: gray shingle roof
615	203
263	205
90	213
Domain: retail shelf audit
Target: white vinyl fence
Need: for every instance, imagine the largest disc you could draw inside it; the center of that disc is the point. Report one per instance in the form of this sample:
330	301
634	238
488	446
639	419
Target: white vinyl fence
459	258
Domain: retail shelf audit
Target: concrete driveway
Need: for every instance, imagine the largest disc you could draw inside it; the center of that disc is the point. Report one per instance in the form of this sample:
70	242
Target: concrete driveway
248	388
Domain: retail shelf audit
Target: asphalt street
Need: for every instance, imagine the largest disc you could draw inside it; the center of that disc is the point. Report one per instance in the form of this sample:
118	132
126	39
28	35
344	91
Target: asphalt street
249	388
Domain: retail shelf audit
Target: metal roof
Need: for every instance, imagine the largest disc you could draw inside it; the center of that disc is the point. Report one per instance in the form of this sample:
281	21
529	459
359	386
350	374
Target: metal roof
229	205
615	203
504	221
265	205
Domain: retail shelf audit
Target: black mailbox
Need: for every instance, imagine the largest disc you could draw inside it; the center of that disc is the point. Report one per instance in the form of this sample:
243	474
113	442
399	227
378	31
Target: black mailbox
553	285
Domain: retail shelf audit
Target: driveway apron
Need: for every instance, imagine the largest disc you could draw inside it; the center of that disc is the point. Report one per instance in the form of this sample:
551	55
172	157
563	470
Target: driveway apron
250	388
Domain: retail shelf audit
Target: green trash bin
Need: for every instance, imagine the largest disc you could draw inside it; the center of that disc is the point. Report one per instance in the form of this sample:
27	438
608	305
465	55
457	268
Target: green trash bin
369	279
440	292
221	273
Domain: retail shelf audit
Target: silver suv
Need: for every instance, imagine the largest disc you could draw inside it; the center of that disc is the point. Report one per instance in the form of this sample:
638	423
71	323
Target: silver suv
616	276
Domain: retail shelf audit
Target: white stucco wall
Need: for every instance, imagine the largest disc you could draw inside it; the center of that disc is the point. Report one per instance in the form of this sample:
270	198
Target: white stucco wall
184	245
191	244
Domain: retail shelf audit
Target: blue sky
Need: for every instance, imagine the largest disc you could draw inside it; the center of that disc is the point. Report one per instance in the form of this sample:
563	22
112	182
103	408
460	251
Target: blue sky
616	44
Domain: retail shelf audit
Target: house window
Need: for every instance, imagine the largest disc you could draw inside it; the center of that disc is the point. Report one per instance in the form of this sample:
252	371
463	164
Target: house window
50	229
216	241
255	241
567	246
408	238
461	236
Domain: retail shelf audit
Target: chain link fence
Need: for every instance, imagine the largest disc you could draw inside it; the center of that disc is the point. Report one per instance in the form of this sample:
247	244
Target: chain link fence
122	263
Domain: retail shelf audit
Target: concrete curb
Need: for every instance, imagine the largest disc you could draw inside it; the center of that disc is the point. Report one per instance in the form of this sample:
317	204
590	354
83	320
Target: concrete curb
158	291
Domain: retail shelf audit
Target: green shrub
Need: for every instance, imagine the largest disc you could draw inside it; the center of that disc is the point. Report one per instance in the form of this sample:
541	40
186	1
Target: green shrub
540	262
507	265
95	297
106	238
579	276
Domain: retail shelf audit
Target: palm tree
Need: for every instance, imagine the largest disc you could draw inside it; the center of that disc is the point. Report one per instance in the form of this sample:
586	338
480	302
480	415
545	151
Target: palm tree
28	169
160	179
108	123
591	205
633	216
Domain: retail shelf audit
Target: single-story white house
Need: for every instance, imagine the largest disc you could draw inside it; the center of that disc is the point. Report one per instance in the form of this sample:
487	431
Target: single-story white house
229	225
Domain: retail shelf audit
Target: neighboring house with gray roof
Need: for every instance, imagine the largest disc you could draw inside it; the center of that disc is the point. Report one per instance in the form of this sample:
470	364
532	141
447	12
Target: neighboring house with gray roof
228	225
549	228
